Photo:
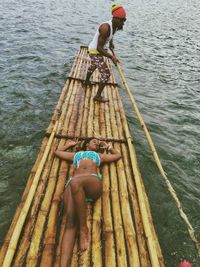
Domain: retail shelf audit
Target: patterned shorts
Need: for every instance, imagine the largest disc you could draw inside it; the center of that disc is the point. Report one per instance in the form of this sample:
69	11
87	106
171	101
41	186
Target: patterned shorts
97	62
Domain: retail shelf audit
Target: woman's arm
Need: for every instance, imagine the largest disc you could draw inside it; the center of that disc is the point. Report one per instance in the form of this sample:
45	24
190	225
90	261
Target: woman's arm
60	153
107	158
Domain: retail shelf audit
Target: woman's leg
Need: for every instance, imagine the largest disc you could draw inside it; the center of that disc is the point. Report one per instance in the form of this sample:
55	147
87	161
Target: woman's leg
69	235
81	187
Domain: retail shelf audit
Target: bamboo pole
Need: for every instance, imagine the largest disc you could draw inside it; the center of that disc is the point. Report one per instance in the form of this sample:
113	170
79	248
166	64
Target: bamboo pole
129	230
108	229
50	233
19	225
90	129
65	109
84	259
117	112
77	128
138	182
33	252
102	121
119	232
74	113
107	118
96	121
70	99
113	120
61	232
143	249
120	246
21	204
108	232
58	107
96	235
135	205
130	235
78	90
69	110
159	165
151	242
62	175
85	113
32	216
144	258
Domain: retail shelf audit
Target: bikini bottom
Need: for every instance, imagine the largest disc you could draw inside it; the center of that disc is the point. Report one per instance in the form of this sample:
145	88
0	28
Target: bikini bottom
92	174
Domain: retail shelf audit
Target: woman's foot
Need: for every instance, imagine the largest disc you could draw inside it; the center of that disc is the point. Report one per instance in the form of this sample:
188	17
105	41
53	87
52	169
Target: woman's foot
83	239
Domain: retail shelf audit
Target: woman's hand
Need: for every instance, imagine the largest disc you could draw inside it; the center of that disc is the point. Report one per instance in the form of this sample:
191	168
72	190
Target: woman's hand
103	144
73	143
69	145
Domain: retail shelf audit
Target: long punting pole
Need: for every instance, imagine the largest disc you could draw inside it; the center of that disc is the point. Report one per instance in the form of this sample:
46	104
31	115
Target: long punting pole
158	162
20	222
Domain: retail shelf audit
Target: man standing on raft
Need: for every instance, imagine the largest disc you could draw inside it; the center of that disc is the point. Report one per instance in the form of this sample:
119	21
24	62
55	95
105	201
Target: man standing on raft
96	49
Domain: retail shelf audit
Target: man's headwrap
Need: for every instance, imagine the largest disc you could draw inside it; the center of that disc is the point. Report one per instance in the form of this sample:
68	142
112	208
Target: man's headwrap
118	11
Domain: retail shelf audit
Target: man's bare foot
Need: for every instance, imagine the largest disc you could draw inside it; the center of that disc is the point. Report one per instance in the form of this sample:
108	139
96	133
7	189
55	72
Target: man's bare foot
83	242
100	99
88	83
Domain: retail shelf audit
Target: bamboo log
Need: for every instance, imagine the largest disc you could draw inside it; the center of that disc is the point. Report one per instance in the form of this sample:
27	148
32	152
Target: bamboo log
117	111
102	122
62	175
130	235
109	249
79	65
74	111
57	254
85	113
18	228
96	121
138	182
90	129
65	109
107	118
154	254
58	108
33	252
50	233
81	108
31	218
112	116
21	204
69	110
96	235
140	200
84	259
117	219
144	257
74	64
143	250
78	91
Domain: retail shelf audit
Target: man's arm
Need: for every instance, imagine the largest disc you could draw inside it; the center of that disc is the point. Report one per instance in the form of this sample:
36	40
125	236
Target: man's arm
111	45
104	32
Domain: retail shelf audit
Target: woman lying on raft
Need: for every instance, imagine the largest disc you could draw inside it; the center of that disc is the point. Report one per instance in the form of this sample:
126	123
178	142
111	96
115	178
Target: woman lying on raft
85	183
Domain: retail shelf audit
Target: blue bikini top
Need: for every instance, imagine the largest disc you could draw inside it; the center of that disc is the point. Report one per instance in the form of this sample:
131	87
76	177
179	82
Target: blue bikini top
94	156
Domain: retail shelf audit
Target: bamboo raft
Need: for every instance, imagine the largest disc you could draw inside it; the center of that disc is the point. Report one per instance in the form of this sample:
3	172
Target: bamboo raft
120	223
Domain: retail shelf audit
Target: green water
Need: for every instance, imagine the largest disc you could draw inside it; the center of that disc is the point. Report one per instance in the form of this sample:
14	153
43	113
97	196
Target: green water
159	52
